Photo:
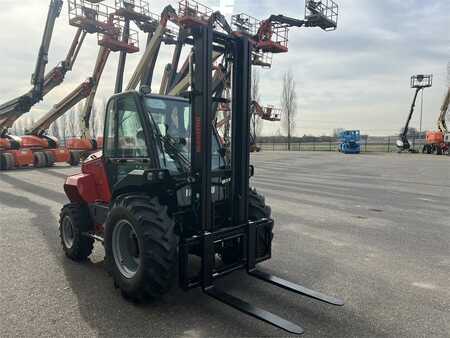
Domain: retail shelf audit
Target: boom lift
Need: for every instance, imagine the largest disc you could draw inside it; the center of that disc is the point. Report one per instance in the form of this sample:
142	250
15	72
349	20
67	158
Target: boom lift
127	10
418	82
162	192
269	113
10	155
45	147
437	141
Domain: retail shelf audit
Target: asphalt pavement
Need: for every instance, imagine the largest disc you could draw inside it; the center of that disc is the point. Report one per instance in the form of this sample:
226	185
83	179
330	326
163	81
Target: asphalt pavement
371	229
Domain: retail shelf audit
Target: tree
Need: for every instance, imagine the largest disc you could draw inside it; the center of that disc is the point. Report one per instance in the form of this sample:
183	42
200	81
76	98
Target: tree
71	123
93	122
256	120
289	104
63	127
54	129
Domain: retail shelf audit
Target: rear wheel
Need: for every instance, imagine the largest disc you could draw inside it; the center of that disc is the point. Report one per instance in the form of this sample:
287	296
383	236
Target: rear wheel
74	158
141	247
74	221
6	161
39	160
50	158
257	209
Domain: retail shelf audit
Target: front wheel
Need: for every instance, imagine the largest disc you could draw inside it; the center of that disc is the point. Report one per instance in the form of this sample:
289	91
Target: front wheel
141	247
257	209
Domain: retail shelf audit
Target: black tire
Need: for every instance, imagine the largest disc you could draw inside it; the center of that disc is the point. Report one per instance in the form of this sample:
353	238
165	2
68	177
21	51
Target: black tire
74	158
257	209
39	160
2	162
80	221
6	161
50	158
438	150
157	247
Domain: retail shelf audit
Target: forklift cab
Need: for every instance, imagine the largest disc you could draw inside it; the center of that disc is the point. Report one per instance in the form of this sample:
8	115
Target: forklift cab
148	131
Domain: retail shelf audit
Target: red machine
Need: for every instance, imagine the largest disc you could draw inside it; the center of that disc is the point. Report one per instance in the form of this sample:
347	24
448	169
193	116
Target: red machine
437	141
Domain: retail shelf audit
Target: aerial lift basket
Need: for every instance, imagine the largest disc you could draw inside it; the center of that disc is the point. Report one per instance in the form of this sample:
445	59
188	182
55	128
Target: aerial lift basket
273	37
90	16
115	42
421	81
192	13
271	114
246	25
323	14
135	10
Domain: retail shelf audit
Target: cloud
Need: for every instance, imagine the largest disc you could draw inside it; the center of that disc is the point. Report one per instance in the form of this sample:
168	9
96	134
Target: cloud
355	77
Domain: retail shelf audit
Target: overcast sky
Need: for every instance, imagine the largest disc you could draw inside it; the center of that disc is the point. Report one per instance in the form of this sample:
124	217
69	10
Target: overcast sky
356	77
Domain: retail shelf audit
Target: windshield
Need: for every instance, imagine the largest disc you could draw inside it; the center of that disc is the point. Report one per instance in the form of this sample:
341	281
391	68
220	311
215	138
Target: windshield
173	119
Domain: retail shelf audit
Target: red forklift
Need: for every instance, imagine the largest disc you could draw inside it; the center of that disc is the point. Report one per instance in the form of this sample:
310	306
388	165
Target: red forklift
162	192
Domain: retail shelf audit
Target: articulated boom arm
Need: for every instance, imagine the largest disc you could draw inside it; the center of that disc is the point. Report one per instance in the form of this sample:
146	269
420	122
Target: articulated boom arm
442	124
102	58
404	134
13	109
56	76
84	90
152	50
81	92
37	79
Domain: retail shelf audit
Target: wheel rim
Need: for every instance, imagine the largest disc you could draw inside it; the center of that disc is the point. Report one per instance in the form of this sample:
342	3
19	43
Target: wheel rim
68	233
126	250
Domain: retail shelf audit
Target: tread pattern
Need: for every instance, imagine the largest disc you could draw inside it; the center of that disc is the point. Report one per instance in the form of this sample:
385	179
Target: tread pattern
50	158
82	246
39	159
160	245
7	161
257	209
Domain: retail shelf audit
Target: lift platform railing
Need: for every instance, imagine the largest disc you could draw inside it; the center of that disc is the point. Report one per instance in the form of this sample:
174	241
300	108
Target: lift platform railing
115	42
245	24
192	13
137	10
271	114
421	81
93	17
323	14
262	59
270	36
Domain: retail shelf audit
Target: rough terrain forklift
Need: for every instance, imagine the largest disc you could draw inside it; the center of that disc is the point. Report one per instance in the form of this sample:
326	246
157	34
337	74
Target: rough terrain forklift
162	191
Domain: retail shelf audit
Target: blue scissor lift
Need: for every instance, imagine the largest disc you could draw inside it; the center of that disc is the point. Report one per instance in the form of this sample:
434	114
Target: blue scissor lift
350	142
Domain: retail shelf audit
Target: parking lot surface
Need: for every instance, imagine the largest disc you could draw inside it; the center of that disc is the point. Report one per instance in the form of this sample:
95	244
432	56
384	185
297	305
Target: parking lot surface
371	229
